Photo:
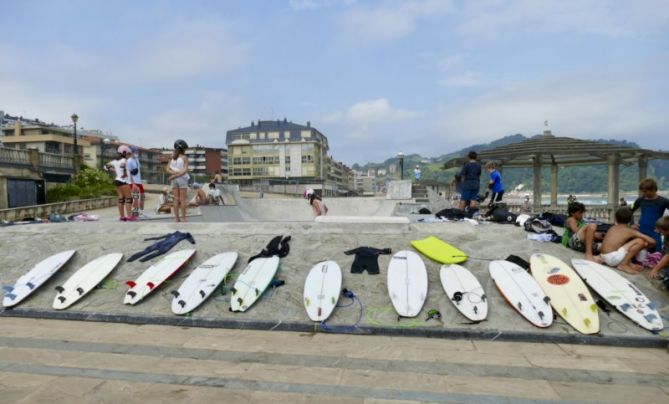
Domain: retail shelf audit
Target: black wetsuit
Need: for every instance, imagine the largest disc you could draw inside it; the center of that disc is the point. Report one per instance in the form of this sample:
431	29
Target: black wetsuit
167	242
277	246
366	259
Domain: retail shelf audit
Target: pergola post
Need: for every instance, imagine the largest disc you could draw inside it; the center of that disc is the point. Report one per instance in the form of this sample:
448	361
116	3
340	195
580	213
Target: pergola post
643	167
614	183
554	184
536	185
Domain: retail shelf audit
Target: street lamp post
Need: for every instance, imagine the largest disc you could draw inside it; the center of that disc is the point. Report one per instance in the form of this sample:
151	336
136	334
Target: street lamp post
103	146
400	156
75	118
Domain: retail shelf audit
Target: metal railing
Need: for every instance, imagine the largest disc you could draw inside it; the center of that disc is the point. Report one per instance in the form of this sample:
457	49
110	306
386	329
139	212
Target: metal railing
50	160
14	156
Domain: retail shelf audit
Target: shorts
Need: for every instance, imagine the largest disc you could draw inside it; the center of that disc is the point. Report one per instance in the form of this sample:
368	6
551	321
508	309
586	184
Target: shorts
138	186
179	182
613	259
469	194
575	243
120	183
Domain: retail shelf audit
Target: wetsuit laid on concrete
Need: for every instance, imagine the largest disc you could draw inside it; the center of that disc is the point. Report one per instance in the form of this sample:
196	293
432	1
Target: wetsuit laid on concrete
161	247
366	259
277	246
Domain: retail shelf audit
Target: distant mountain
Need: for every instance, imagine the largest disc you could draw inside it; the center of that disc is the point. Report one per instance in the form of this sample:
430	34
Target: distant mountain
571	179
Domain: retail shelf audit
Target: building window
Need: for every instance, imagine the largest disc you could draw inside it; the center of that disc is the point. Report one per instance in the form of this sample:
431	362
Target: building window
287	160
286	135
246	160
260	171
253	136
306	134
273	135
307	159
246	172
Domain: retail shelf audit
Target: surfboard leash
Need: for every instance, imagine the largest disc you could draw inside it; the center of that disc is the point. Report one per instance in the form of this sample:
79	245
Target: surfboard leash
354	327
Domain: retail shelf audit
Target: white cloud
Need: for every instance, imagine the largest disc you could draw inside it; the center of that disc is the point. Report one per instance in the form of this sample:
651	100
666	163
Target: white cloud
467	79
390	21
201	123
369	112
492	18
578	105
315	4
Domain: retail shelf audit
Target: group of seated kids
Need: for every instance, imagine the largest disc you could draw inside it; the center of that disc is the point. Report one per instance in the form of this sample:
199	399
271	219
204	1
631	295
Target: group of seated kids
624	243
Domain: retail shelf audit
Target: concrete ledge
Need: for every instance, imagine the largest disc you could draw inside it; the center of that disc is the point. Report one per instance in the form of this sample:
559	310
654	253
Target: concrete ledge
63	208
362	219
446	333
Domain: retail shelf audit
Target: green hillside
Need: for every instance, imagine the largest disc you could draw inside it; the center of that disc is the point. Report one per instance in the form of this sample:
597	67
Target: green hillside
571	179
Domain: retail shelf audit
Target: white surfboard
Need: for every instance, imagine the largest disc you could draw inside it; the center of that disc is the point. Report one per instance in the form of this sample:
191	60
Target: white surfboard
522	292
84	280
252	282
202	282
465	291
407	283
569	296
321	290
620	293
153	277
34	278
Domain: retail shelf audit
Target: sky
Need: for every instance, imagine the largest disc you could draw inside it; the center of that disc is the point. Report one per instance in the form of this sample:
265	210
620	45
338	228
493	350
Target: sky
376	77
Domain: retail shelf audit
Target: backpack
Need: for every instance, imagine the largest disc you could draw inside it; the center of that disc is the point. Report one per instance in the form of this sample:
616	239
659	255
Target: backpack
451	214
539	226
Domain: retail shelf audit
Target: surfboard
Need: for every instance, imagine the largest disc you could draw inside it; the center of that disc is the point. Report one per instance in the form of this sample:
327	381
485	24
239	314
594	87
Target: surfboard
407	283
439	250
252	282
322	289
34	278
569	296
202	282
84	280
464	291
522	292
155	275
620	293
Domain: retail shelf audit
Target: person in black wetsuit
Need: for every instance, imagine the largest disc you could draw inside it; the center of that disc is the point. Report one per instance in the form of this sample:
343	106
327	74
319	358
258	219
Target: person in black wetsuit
470	177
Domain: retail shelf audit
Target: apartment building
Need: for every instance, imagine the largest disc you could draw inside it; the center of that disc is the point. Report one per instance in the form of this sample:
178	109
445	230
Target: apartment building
276	150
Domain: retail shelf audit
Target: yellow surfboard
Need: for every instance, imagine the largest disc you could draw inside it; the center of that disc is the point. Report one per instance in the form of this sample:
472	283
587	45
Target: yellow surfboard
439	250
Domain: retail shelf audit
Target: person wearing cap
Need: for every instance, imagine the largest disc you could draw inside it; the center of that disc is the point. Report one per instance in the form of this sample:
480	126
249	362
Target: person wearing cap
177	168
118	167
200	197
136	186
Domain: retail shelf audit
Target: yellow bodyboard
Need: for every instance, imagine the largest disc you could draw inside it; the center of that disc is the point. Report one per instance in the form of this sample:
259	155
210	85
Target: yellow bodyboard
439	250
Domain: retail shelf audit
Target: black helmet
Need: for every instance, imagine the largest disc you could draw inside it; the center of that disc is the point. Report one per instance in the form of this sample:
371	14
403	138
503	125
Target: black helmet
180	145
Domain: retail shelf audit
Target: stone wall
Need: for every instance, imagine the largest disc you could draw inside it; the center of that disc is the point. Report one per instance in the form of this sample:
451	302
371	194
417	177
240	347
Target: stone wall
64	208
399	190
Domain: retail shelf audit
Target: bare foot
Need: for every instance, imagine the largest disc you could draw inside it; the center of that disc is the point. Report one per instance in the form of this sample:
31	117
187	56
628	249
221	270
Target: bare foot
594	258
629	268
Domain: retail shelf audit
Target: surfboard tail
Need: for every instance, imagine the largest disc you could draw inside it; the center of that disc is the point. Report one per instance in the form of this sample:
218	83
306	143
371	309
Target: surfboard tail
131	284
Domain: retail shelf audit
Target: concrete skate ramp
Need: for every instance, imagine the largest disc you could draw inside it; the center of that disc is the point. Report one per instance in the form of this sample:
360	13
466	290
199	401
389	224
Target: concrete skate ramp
295	209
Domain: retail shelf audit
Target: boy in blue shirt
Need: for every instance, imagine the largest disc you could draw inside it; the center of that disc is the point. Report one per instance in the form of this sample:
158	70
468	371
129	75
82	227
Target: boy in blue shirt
652	208
495	183
662	226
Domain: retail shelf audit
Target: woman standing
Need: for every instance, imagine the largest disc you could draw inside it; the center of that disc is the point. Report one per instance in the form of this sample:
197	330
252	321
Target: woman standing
178	170
121	181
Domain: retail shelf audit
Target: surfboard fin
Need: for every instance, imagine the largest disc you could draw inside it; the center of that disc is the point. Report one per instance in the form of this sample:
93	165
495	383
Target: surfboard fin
240	300
132	284
131	293
61	299
30	285
307	302
59	289
257	292
541	315
483	297
650	317
587	322
202	293
10	296
151	285
233	290
547	300
182	303
80	290
175	293
520	305
8	288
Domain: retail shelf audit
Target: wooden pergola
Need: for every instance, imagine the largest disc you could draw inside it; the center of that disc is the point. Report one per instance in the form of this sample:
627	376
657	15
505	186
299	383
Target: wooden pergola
554	152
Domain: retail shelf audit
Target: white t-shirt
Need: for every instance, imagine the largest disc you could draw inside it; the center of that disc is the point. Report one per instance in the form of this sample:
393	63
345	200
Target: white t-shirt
178	165
214	192
119	170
